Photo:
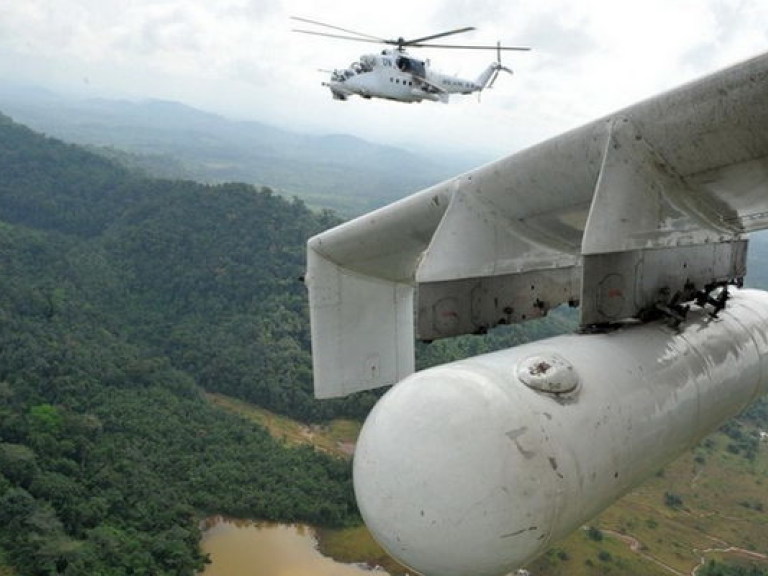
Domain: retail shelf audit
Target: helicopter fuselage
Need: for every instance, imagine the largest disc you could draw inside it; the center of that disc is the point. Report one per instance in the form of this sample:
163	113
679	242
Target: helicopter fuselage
395	75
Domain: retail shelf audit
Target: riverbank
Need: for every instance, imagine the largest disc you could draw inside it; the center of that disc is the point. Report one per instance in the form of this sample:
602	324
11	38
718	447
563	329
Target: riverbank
351	545
336	438
235	546
720	486
356	545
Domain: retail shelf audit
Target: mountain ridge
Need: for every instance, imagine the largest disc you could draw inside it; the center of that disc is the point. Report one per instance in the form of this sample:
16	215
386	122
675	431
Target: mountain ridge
337	171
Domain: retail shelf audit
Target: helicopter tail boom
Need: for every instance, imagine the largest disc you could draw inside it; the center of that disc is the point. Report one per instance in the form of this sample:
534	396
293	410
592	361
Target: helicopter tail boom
489	75
485	76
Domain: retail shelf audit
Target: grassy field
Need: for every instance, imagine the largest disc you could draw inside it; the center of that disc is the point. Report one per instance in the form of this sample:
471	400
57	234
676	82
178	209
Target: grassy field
336	438
718	513
709	504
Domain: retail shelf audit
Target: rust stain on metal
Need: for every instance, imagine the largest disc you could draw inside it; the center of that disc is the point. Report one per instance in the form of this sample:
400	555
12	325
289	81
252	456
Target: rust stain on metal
521	531
540	367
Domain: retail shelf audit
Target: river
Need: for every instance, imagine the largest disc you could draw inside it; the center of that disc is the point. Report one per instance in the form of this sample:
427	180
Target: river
246	548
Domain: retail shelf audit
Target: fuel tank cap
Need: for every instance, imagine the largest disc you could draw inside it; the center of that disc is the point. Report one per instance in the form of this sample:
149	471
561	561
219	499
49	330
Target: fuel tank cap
550	373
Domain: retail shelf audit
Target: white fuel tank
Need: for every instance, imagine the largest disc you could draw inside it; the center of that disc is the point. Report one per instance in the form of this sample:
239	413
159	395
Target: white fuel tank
478	466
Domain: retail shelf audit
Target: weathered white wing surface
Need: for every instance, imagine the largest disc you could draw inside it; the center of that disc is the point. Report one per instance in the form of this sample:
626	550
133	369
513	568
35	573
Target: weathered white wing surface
637	210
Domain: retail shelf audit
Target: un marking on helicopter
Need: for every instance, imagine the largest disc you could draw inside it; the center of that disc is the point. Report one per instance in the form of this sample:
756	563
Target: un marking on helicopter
393	74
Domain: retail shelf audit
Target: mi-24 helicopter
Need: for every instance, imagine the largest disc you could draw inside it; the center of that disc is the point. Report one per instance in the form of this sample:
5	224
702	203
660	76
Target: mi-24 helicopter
394	74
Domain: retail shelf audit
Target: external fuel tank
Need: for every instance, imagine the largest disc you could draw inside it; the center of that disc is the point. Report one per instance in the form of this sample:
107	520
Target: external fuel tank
478	466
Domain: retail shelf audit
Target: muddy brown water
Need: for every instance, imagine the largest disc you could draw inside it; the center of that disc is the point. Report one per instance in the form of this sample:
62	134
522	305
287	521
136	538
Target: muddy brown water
246	548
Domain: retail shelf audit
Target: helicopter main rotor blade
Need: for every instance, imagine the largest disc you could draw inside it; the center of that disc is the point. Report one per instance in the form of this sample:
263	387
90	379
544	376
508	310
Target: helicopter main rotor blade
468	46
313	33
308	21
400	42
415	41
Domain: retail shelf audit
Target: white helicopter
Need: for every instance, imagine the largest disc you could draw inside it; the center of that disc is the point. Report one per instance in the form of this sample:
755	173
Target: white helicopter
393	74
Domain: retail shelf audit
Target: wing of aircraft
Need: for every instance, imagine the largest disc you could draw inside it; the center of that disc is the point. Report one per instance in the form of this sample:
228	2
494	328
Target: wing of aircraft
627	215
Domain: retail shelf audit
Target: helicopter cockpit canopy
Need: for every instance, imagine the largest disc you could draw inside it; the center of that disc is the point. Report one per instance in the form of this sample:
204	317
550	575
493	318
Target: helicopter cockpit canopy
367	61
365	65
415	67
362	67
340	75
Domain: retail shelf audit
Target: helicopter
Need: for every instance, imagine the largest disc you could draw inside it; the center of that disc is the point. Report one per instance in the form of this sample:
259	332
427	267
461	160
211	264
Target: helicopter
393	74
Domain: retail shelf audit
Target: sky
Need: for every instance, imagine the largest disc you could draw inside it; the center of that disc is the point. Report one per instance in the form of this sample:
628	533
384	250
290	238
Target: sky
240	59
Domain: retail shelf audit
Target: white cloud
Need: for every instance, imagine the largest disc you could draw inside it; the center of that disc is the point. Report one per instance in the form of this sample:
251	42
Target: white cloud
240	57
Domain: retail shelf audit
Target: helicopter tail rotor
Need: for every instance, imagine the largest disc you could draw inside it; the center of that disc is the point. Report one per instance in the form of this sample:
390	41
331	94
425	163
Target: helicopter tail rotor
498	67
496	74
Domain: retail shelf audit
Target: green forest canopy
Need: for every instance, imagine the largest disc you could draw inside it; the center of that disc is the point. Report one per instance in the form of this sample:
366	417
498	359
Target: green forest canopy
121	299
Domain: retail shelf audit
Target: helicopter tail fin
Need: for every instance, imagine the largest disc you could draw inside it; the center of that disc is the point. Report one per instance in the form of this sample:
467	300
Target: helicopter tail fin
486	75
489	75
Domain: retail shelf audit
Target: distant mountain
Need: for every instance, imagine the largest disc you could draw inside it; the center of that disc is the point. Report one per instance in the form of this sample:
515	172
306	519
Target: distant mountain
169	139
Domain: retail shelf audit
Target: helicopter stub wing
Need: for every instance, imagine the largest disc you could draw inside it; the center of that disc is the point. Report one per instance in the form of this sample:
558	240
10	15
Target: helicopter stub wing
431	91
622	215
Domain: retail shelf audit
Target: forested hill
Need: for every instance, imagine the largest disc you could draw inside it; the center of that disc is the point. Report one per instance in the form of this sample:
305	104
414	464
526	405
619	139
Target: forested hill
120	297
207	277
163	138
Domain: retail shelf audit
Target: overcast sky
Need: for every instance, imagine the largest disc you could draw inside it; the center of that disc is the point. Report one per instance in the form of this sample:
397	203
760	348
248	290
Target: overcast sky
240	58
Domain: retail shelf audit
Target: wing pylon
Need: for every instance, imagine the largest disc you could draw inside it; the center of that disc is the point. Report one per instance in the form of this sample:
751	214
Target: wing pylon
630	214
